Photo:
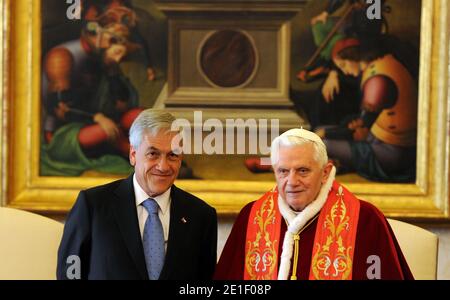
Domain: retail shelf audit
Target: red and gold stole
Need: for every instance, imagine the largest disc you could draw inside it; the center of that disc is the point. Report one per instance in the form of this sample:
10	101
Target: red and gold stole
263	237
334	241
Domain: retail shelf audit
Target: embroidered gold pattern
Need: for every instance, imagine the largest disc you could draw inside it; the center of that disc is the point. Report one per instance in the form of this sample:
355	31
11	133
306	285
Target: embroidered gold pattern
334	258
261	257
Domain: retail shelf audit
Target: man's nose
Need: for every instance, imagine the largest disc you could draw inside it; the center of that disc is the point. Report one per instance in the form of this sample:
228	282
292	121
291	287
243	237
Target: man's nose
163	164
293	178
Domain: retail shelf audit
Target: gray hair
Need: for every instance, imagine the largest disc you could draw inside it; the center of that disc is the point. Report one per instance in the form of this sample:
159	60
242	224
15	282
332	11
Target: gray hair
150	121
320	150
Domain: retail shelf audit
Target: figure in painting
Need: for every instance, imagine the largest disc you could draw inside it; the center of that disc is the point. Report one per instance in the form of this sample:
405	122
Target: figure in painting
92	90
380	143
339	95
366	108
90	104
93	13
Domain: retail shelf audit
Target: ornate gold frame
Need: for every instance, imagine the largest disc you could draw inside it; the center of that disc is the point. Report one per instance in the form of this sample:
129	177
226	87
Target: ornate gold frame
22	187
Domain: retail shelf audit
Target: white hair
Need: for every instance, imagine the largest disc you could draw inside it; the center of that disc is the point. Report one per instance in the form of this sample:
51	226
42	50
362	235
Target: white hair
320	150
150	121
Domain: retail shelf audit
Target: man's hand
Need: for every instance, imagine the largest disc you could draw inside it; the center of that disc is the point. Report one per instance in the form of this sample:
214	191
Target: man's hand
353	125
108	125
331	86
322	17
360	132
151	74
60	110
302	75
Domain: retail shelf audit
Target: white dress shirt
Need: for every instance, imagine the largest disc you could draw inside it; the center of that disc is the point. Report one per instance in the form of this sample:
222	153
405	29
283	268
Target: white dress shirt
163	201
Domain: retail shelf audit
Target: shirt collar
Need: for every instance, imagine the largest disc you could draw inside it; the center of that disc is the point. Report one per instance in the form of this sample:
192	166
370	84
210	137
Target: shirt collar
140	195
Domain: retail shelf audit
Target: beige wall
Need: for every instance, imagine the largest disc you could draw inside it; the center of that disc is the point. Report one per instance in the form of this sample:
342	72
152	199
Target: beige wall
444	251
225	224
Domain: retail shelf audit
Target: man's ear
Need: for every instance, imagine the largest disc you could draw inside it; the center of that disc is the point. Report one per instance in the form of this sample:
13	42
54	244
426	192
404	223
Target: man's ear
132	156
327	171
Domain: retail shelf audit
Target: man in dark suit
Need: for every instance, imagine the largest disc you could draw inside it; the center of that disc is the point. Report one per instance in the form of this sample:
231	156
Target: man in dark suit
141	227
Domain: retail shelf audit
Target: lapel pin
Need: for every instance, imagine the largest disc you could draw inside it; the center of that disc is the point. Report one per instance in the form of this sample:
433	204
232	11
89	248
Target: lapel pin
183	219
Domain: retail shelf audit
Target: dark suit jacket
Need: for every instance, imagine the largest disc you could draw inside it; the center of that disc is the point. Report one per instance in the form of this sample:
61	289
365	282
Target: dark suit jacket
102	230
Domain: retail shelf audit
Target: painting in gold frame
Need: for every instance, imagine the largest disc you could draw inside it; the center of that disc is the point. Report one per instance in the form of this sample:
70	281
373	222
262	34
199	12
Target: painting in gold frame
23	187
